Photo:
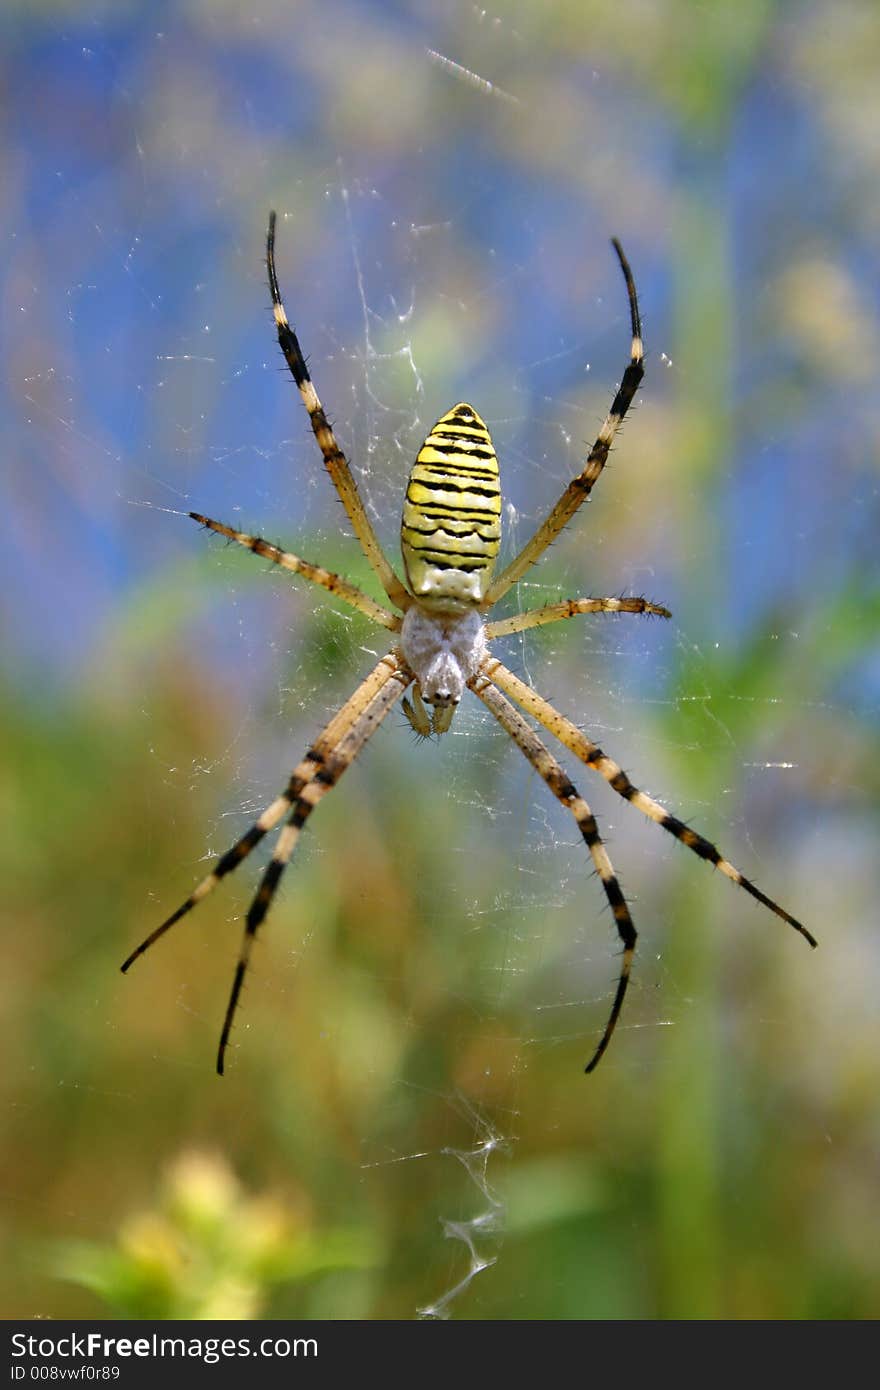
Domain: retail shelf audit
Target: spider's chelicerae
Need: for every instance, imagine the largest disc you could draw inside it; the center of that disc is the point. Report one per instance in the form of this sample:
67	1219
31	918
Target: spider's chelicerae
450	536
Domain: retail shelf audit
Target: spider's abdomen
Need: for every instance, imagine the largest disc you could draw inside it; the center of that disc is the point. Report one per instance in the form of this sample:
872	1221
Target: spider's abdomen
451	527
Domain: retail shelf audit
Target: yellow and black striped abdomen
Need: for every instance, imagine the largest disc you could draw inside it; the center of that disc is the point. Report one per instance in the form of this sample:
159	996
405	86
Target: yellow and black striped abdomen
451	527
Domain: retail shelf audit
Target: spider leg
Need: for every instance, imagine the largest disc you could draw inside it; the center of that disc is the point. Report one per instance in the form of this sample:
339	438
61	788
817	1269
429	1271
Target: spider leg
302	774
340	757
334	459
580	487
333	583
570	608
565	791
591	754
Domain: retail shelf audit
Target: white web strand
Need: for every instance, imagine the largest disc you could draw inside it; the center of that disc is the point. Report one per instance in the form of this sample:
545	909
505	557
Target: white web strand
472	79
485	1225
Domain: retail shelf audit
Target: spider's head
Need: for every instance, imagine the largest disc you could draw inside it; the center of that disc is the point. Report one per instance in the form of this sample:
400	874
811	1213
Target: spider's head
442	686
442	681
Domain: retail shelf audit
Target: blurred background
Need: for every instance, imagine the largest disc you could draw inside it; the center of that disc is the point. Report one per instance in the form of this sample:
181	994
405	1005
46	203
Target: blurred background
405	1128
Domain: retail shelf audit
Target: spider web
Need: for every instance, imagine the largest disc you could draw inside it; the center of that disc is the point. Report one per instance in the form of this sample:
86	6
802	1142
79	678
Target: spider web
441	959
551	957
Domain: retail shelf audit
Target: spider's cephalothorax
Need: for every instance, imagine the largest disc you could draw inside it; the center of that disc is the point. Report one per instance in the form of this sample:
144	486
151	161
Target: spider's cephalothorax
449	536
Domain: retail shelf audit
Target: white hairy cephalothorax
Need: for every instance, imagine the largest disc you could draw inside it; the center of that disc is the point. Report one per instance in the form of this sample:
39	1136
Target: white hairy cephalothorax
443	651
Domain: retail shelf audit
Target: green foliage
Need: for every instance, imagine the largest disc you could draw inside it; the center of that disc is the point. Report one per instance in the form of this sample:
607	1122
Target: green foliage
205	1250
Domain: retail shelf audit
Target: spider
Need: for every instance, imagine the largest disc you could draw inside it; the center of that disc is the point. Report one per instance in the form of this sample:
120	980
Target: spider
450	537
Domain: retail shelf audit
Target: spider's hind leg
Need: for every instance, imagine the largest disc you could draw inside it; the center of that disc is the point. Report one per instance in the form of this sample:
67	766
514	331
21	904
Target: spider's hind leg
570	608
580	487
334	459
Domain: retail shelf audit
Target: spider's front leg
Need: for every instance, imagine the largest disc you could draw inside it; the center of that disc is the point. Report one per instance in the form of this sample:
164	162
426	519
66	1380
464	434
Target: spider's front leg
301	775
567	793
593	757
345	749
